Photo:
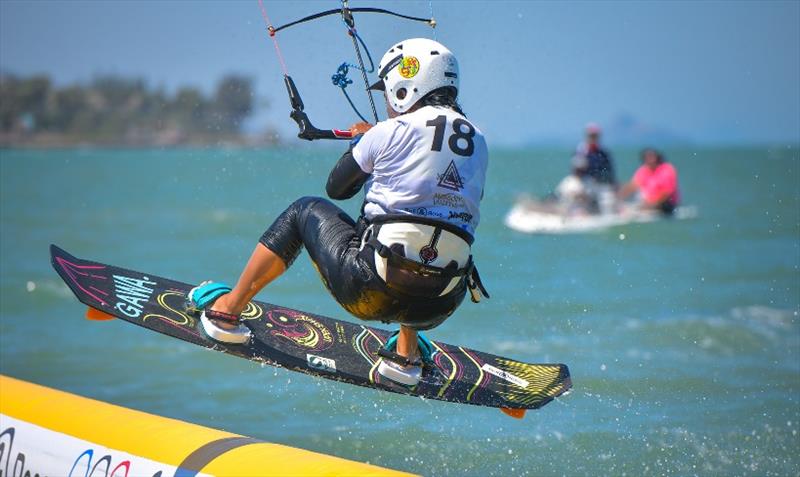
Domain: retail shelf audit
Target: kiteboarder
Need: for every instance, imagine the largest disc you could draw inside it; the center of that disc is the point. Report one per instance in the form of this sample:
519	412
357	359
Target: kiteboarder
407	259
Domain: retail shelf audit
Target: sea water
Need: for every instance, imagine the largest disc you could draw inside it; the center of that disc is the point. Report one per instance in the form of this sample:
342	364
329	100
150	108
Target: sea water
683	337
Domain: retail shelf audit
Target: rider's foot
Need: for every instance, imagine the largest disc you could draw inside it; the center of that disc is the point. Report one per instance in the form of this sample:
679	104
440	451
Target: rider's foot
218	323
404	369
408	375
220	307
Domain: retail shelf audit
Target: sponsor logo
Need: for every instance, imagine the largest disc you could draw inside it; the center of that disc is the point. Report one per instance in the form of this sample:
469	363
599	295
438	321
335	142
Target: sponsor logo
462	216
449	199
408	67
19	451
132	294
451	179
389	66
428	254
301	329
423	211
505	375
320	363
341	334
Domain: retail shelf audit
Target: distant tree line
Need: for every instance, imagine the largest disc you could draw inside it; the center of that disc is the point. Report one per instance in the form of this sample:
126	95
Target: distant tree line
120	111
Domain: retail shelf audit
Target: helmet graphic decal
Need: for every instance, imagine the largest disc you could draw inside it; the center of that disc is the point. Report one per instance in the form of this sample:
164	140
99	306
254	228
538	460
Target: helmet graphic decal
409	67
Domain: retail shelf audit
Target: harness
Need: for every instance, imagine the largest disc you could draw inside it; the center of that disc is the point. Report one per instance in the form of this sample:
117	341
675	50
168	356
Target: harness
414	278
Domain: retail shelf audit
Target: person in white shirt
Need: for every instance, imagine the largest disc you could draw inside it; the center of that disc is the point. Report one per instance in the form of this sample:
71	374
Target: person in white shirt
577	193
407	259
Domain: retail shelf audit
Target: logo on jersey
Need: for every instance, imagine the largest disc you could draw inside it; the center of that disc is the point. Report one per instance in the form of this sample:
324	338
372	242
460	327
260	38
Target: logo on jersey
409	67
451	179
449	199
423	212
462	216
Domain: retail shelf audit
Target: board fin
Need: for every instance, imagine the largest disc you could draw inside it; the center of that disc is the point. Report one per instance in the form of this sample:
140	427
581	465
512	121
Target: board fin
515	413
96	315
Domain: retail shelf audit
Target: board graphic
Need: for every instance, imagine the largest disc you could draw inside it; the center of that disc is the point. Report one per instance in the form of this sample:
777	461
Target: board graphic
312	344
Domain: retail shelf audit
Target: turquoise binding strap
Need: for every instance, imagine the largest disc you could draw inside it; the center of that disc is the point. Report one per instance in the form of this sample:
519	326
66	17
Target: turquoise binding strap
425	347
423	343
205	294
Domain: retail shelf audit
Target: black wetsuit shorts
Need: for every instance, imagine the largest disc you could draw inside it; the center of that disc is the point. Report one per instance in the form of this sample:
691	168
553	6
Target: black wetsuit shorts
667	207
332	239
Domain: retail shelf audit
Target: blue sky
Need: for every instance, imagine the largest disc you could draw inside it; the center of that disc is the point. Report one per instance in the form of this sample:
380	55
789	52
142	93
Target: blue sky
709	72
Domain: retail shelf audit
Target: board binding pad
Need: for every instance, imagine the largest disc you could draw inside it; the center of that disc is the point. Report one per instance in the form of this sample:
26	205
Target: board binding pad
312	344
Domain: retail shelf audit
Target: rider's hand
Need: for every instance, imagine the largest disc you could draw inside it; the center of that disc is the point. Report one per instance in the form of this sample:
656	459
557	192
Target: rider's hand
360	128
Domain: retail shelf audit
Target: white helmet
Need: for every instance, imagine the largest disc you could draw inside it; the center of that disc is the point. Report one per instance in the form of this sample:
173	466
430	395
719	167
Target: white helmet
413	68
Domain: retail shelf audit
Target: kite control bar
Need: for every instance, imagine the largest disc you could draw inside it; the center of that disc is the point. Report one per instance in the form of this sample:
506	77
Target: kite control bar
307	130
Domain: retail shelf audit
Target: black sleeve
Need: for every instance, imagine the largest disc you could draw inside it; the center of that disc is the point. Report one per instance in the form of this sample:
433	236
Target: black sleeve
346	178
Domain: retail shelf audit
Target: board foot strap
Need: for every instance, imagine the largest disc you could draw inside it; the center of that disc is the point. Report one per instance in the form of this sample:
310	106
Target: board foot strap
397	358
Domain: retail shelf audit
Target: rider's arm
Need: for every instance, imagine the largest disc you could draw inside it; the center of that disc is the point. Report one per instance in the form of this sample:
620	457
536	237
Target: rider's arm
625	191
346	178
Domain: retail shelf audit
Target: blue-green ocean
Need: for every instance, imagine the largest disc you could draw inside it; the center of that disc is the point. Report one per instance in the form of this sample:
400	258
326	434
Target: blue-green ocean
683	337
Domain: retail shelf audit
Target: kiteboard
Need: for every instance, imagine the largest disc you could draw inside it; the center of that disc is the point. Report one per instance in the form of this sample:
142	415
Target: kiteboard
311	344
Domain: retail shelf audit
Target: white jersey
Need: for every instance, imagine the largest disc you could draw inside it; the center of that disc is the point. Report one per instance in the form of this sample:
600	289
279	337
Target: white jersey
431	163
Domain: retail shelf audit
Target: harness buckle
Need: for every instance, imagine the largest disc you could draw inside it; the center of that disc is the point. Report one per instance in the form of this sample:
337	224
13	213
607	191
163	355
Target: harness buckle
474	284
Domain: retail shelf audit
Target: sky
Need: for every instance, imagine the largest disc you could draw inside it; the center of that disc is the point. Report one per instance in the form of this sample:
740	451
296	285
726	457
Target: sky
703	72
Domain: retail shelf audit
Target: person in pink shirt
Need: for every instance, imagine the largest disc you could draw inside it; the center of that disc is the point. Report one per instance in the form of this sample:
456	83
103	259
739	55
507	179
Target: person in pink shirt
656	181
